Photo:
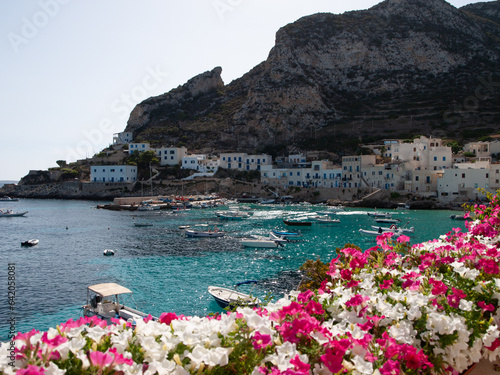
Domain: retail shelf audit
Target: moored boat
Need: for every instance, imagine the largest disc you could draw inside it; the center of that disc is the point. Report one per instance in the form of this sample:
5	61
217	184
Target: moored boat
143	224
259	242
394	228
29	243
105	302
8	199
297	223
380	231
387	221
288	235
108	252
232	297
205	231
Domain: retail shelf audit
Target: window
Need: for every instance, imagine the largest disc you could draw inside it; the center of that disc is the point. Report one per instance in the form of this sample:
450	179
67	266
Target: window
416	178
171	158
172	152
463	175
435	158
444	158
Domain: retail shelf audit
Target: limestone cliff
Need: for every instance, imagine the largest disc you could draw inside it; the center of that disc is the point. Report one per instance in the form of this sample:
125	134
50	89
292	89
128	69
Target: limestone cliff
399	68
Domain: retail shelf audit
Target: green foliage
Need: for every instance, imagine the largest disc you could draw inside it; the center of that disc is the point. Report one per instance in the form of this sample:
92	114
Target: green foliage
61	163
455	146
314	272
395	195
469	154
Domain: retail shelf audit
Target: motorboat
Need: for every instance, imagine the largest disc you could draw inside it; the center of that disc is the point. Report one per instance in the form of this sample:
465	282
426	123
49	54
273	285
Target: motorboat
287	235
261	242
460	217
10	213
30	243
108	252
297	223
403	206
380	231
205	230
106	301
148	206
8	199
327	220
379	214
394	228
387	221
233	297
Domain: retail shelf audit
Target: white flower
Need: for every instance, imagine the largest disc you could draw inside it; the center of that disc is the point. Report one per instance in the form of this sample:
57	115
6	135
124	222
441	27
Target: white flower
95	333
163	367
465	305
362	366
52	369
403	332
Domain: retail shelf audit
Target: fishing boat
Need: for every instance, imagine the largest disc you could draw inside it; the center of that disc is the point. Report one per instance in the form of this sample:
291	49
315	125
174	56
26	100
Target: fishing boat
204	230
106	301
297	223
394	228
30	243
10	213
233	297
108	252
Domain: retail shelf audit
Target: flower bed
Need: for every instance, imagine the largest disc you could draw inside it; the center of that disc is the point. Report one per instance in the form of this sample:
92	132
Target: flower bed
429	308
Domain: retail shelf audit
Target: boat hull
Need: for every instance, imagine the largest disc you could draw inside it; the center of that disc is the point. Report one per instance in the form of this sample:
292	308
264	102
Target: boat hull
259	243
200	234
226	297
298	223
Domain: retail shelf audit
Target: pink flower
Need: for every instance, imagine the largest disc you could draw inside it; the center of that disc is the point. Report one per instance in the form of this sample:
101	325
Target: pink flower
100	359
390	367
53	343
167	318
299	366
305	296
333	358
403	239
438	287
486	307
386	284
314	307
31	370
489	266
261	341
454	299
357	300
346	274
119	358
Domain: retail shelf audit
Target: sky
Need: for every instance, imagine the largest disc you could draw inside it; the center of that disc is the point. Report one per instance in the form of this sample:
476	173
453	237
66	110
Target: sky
71	71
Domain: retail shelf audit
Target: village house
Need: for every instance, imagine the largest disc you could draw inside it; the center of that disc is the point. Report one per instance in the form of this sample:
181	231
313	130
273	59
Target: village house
171	155
123	138
244	162
113	173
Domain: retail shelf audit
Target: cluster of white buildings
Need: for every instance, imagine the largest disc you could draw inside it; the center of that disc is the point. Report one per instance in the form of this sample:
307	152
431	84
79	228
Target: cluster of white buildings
424	166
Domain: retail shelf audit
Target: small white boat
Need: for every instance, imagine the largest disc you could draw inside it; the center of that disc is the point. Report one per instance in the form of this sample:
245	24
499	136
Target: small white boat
232	297
379	214
380	231
460	217
394	228
8	199
327	220
259	243
403	206
108	252
105	302
335	208
10	213
29	243
204	230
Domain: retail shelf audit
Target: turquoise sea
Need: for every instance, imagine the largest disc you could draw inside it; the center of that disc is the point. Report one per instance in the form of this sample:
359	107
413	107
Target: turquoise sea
166	271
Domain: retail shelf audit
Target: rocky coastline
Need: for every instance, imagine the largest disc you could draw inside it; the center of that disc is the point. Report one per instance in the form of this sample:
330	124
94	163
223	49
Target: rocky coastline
224	188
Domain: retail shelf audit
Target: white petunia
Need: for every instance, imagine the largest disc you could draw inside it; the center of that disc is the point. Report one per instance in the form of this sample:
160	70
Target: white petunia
403	332
465	305
362	366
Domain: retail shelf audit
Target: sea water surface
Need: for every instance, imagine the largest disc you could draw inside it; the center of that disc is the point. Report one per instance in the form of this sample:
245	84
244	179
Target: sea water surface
166	271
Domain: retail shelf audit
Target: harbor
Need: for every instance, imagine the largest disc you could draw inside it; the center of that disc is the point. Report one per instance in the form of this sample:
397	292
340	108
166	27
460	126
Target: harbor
167	271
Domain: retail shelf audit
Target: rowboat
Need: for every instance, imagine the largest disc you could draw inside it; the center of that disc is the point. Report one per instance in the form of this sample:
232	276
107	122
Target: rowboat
232	297
105	302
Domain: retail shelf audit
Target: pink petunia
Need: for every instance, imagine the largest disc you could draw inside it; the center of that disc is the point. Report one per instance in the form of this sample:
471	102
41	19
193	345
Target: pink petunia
333	358
260	341
403	239
100	359
390	367
386	284
486	307
167	318
299	366
31	370
357	300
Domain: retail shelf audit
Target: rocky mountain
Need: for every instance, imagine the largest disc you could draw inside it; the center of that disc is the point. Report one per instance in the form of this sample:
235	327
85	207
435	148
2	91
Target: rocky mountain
331	81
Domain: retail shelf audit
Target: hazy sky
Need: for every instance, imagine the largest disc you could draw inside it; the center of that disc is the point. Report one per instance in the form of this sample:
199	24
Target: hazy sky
72	70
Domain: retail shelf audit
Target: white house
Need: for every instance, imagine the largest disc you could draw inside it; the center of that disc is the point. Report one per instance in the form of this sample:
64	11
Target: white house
140	147
113	173
352	168
423	154
171	155
482	149
122	138
320	174
244	162
200	163
464	180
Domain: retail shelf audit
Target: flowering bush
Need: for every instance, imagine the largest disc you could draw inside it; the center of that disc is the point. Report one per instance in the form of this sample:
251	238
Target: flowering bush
429	308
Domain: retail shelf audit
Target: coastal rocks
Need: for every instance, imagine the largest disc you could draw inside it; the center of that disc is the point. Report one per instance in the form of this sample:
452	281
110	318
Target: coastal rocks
331	80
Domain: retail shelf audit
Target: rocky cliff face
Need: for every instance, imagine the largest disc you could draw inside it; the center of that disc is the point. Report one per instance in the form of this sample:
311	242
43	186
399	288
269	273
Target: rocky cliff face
399	68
